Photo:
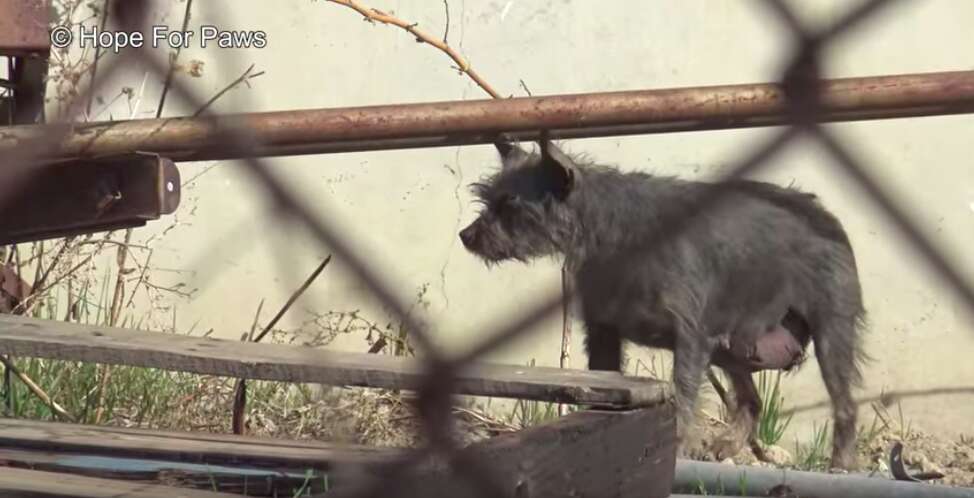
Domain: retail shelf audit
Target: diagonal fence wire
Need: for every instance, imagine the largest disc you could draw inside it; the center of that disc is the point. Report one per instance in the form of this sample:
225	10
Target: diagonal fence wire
800	80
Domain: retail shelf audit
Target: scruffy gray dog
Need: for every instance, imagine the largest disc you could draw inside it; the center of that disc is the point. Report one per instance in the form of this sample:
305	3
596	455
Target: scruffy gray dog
744	286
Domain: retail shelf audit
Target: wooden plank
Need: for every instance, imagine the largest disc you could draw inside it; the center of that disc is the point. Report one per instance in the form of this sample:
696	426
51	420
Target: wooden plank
22	336
213	449
587	453
37	484
624	454
225	479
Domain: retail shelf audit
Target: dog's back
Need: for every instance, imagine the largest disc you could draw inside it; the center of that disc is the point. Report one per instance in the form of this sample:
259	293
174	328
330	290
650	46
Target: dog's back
802	204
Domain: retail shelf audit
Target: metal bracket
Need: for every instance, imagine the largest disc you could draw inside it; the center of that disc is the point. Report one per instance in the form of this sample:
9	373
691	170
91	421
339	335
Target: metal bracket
25	41
81	197
24	28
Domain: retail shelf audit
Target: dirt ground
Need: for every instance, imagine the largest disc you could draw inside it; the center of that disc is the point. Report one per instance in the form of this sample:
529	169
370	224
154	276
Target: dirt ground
954	459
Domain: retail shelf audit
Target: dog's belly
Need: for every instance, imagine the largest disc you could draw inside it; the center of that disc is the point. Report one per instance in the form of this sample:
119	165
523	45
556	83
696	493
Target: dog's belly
650	335
777	348
637	314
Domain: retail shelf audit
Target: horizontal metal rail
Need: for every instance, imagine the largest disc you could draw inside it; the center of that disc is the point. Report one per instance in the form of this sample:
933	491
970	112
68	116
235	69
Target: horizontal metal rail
317	131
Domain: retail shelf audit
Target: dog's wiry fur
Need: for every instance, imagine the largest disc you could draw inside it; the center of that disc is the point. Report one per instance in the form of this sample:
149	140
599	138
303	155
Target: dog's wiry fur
764	258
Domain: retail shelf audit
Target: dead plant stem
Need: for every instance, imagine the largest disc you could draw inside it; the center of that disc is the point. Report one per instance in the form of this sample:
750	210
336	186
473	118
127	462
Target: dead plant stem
172	62
564	358
9	367
114	312
245	77
240	389
294	297
376	15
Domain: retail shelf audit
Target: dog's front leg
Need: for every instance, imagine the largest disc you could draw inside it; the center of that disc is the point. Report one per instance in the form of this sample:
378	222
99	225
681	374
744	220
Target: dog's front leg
604	347
691	356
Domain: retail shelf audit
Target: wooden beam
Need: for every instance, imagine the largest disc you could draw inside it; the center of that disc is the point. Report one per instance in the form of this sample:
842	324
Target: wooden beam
202	448
36	484
22	336
225	479
588	453
624	454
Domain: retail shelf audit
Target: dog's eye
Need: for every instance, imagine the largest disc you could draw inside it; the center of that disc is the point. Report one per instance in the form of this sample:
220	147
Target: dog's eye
504	204
505	201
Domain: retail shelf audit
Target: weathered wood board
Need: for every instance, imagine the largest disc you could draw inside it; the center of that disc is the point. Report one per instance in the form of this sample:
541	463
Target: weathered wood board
213	449
590	453
21	336
265	482
36	484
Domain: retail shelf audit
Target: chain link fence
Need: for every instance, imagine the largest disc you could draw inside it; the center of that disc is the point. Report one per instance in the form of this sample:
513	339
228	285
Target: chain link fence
800	82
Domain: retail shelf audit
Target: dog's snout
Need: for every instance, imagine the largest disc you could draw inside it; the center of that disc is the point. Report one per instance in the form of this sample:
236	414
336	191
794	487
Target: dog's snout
467	236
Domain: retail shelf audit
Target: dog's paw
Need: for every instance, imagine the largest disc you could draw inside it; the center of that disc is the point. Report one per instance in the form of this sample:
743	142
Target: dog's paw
727	445
692	448
843	463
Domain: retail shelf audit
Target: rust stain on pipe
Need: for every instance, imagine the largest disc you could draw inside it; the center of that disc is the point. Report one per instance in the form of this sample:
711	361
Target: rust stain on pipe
478	121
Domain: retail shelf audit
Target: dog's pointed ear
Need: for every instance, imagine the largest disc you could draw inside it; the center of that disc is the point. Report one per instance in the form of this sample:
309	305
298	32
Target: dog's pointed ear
504	148
511	154
564	168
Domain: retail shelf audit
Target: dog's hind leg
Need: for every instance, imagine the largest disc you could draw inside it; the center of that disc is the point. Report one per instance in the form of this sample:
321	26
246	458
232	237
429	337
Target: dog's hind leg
744	416
836	352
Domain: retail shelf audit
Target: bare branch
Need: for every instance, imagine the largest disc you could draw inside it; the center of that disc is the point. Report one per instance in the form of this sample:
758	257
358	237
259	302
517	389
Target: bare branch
294	297
172	61
446	30
246	76
375	15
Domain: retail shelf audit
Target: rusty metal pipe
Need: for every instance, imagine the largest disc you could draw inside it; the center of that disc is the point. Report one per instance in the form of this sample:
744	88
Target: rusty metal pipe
435	124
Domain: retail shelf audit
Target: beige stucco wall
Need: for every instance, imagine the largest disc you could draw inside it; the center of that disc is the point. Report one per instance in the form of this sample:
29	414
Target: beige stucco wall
402	209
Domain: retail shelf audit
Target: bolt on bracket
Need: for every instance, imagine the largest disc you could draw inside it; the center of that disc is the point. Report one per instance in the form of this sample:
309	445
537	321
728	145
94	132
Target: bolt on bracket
90	196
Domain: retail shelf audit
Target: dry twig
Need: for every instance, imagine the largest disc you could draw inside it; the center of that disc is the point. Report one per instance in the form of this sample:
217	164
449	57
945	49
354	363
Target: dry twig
25	306
240	390
113	315
294	297
34	388
494	424
376	15
172	62
253	326
719	388
98	52
566	328
244	78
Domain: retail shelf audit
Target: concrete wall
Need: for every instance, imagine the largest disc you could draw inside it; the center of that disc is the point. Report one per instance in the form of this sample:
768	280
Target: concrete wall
403	208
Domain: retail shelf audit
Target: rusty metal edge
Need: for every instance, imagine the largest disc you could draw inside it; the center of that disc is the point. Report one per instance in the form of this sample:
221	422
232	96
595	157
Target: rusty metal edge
316	131
24	28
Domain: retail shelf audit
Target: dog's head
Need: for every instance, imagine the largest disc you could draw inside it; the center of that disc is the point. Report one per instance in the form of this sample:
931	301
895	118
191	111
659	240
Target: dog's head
524	211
